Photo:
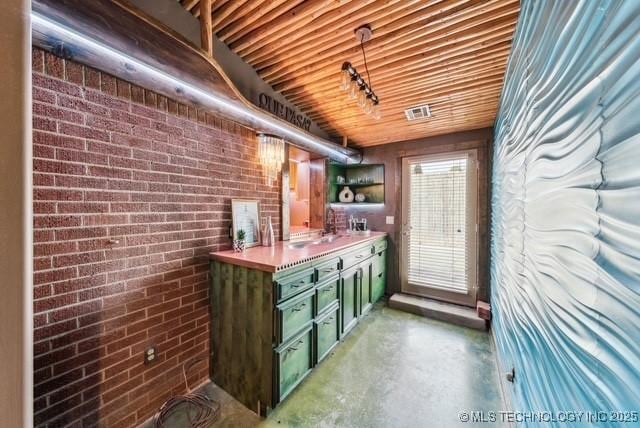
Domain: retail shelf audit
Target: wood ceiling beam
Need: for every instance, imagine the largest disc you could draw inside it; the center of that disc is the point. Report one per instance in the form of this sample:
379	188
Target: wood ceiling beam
358	123
494	52
450	54
242	18
303	13
432	75
347	48
224	10
342	22
379	14
487	105
410	99
437	43
189	4
388	39
434	56
206	29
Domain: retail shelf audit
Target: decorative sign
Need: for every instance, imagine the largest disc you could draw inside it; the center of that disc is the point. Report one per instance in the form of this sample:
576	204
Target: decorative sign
284	112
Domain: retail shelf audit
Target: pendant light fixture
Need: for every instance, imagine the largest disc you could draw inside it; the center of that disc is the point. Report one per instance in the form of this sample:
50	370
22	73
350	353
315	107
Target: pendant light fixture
355	85
271	155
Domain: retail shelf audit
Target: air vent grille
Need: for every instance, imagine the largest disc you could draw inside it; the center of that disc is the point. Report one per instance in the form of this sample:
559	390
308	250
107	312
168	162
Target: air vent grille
419	112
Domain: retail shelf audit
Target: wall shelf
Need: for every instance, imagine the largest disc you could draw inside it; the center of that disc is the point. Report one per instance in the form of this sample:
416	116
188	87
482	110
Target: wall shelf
358	174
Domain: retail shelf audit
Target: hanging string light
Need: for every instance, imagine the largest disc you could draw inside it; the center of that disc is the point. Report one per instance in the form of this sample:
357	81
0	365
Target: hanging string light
271	156
354	84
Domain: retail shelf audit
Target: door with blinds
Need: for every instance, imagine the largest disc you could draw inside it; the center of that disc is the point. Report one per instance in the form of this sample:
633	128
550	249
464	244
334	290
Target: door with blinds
439	227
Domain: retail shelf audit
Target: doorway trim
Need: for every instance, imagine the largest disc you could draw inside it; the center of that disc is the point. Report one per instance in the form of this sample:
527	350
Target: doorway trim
472	239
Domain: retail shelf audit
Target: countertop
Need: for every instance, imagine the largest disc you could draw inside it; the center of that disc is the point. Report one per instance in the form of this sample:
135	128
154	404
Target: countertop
280	256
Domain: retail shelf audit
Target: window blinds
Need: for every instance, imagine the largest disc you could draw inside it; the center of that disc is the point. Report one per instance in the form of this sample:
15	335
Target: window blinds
438	223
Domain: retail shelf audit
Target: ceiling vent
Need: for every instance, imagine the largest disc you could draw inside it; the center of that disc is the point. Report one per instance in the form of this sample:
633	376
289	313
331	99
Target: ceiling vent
420	112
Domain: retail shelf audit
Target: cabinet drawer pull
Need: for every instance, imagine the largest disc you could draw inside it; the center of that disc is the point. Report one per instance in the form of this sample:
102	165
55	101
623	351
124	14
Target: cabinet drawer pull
294	348
326	290
298	308
359	256
327	322
299	284
326	270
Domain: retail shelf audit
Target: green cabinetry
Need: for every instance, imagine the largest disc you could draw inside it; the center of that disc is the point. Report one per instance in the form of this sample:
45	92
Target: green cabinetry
327	331
269	330
366	298
349	298
294	361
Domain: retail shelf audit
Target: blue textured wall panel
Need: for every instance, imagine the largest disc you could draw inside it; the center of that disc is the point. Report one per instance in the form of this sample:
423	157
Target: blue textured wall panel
566	208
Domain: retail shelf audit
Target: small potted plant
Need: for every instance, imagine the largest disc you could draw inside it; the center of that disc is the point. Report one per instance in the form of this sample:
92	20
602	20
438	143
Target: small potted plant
238	244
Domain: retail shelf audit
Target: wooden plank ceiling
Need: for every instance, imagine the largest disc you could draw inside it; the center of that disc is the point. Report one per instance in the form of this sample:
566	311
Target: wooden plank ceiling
450	54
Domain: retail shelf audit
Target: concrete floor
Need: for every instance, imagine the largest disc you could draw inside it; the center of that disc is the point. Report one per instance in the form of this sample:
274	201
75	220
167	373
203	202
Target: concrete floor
394	370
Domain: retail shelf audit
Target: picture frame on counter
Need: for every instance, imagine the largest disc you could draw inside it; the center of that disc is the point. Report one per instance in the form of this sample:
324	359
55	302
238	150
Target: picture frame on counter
245	215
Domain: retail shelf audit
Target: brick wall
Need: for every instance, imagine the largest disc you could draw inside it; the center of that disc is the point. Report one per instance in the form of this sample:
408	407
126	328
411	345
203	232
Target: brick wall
131	192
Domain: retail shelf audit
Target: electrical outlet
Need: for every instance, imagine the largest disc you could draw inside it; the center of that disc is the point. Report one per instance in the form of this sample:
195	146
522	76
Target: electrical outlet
150	355
390	219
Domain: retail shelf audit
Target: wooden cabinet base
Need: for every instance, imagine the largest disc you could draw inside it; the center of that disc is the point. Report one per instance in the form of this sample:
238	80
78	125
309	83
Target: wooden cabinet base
269	330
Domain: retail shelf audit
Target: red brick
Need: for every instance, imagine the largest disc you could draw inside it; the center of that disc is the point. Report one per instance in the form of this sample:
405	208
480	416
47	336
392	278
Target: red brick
84	233
83	132
58	140
42	124
55	221
84	157
108	84
53	112
54	275
53	65
60	86
124	89
163	192
137	94
37	60
74	73
44	95
82	105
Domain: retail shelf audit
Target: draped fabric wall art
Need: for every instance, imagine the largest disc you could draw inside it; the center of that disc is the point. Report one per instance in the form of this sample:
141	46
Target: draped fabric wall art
565	250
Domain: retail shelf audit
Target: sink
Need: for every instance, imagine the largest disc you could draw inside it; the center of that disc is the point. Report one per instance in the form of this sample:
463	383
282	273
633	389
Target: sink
303	244
328	239
300	244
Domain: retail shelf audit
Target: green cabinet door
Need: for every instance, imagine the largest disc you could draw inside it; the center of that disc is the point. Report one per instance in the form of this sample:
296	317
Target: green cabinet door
379	276
349	298
293	362
327	332
365	286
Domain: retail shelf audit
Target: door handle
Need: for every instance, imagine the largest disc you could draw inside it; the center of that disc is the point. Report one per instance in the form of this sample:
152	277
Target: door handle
298	308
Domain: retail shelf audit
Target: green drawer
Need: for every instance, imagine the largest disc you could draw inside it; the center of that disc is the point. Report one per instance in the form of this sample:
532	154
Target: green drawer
379	246
327	269
378	285
293	284
327	332
379	262
327	293
293	362
353	258
293	315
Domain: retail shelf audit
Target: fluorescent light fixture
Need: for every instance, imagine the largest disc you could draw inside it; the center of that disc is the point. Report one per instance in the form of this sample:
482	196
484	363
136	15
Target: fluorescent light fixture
182	88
